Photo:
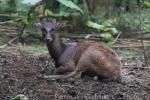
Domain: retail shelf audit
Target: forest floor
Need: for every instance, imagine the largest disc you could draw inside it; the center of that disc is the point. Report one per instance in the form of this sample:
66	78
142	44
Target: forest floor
19	70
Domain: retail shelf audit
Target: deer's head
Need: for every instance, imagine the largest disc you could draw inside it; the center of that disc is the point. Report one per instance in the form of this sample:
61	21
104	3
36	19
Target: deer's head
47	28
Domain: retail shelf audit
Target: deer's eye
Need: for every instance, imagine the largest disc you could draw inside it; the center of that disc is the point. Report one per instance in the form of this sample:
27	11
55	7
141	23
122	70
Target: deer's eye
52	30
44	30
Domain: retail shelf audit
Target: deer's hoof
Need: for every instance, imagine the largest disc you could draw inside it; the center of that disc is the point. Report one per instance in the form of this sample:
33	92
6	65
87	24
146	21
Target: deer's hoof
41	76
95	78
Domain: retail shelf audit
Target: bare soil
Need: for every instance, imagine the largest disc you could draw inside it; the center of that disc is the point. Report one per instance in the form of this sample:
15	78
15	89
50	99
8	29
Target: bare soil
19	71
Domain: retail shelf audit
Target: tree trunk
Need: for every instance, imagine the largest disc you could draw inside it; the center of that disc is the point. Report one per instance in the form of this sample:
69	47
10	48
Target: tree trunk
129	6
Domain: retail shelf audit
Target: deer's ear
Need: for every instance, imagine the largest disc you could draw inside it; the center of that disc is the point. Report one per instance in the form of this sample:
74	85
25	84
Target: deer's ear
43	20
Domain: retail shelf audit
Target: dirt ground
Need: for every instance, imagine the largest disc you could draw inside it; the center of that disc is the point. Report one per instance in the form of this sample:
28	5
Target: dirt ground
19	71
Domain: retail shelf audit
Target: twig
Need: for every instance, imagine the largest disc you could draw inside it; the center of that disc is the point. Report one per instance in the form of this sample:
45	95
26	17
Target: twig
8	15
117	38
12	40
3	46
136	67
131	46
93	37
9	43
1	23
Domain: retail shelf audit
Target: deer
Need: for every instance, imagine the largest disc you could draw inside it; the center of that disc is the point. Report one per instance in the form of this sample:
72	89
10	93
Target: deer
74	59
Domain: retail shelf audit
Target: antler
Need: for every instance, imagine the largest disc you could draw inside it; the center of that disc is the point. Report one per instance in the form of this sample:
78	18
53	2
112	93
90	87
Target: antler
58	25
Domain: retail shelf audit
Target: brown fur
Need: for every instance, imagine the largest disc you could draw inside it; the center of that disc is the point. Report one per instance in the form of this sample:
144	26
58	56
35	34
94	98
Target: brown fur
75	58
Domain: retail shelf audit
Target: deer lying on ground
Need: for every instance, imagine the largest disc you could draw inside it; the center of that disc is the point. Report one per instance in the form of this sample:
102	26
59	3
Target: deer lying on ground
73	59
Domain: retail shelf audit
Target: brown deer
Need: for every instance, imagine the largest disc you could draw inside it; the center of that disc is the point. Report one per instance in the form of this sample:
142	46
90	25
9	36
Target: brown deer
73	59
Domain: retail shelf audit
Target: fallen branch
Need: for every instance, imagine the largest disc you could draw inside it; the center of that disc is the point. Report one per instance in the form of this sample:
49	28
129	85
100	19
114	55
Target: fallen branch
9	43
92	37
137	67
130	46
117	38
3	46
5	22
8	15
8	30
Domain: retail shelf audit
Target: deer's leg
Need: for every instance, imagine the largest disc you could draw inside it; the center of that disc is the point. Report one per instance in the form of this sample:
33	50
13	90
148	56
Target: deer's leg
63	70
78	69
66	68
76	74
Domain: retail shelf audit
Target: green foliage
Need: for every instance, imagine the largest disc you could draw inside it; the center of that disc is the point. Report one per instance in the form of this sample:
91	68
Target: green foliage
27	34
22	8
95	25
4	7
126	54
106	37
147	4
5	37
128	21
70	4
63	14
49	13
74	10
35	49
146	27
106	29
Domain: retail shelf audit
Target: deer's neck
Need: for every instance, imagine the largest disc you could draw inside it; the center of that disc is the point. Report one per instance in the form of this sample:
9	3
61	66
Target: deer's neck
56	48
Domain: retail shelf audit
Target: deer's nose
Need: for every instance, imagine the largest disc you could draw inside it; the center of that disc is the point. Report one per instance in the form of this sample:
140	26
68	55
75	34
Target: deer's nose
49	39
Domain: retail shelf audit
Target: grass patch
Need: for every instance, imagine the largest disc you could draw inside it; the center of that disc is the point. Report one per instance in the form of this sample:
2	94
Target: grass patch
36	49
5	37
125	54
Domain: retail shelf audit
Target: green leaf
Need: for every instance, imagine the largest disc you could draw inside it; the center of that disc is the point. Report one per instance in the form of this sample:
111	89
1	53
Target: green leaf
114	31
62	13
147	4
25	20
75	14
95	25
146	27
49	13
107	36
107	23
70	4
